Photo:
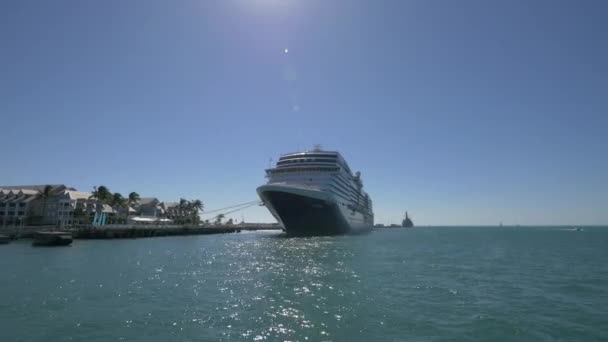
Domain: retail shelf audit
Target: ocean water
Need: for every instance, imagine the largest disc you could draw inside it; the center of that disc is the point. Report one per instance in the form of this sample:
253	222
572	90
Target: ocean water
493	284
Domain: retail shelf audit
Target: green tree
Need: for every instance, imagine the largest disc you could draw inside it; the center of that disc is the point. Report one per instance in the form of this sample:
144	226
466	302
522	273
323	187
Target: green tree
183	208
120	202
196	207
219	218
132	200
117	199
44	195
102	194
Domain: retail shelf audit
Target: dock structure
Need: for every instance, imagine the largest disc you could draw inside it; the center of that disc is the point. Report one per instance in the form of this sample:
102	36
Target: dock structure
50	239
137	231
142	232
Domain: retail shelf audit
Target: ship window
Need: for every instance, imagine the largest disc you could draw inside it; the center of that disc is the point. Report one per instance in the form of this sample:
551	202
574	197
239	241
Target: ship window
330	156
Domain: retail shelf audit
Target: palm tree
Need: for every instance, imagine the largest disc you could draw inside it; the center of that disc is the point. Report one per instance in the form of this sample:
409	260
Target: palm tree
219	218
94	193
119	201
133	198
105	194
117	198
184	207
196	206
183	203
102	194
44	195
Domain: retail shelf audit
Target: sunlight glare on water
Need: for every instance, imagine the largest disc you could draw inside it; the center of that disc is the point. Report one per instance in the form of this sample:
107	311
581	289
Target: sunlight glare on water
424	283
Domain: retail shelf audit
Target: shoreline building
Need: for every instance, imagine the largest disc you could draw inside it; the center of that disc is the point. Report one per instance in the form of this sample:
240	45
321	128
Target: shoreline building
27	204
62	205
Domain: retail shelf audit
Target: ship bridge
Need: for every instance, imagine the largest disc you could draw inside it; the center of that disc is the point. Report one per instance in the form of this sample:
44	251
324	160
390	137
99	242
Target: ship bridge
310	161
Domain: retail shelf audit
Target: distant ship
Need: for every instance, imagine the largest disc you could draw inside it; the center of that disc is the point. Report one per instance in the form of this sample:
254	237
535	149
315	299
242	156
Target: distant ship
407	222
315	193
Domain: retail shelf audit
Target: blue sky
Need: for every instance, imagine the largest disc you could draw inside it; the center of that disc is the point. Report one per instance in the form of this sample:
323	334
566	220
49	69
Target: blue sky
461	112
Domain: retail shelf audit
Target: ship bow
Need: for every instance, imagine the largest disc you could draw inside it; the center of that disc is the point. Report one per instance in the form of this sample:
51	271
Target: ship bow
303	212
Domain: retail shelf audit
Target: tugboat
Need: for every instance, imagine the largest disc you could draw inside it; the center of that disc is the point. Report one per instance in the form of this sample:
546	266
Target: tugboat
52	239
407	222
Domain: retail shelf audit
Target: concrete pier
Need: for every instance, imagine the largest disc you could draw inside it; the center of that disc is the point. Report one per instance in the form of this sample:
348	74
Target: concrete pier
141	232
131	232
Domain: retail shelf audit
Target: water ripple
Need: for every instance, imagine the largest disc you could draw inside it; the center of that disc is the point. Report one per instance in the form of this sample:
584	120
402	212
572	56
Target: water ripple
392	285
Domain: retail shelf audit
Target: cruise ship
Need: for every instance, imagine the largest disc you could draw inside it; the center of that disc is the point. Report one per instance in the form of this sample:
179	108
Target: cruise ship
315	193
